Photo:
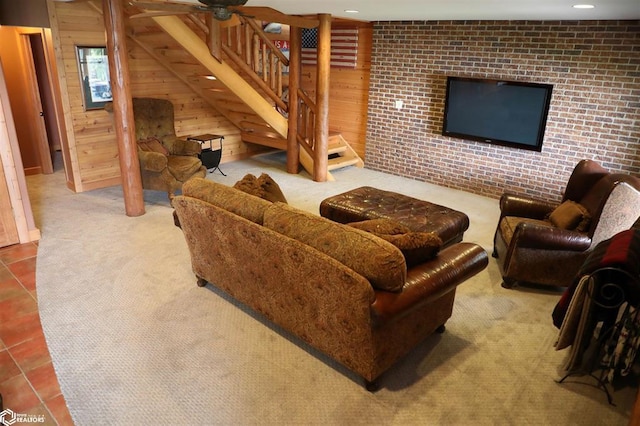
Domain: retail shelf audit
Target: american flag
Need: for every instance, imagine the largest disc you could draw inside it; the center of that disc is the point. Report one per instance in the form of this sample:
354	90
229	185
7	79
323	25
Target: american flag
344	47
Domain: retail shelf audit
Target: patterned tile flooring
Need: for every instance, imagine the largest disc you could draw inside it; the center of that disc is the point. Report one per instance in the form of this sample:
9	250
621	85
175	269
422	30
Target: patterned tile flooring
28	382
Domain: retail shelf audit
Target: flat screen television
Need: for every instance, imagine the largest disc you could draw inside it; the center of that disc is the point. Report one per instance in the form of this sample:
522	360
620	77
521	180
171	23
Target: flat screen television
502	112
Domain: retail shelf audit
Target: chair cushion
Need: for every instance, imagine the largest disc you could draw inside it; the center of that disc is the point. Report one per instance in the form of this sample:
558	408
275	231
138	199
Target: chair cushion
508	226
264	187
374	258
152	145
183	167
417	247
571	216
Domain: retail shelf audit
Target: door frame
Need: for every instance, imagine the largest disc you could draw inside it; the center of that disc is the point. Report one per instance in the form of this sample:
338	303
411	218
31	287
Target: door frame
37	111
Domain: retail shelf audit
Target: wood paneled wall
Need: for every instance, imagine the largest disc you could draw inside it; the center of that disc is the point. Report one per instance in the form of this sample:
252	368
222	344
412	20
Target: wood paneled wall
90	134
349	94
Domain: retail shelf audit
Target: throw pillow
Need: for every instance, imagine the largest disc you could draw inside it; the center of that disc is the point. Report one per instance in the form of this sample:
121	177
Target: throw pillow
272	191
381	226
153	145
264	187
569	215
417	247
248	184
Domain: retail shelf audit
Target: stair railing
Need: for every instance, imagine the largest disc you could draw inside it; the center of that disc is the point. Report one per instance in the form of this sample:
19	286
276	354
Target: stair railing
306	122
256	55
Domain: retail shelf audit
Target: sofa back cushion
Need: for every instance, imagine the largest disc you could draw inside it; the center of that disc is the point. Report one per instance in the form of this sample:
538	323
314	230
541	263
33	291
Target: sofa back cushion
248	206
381	263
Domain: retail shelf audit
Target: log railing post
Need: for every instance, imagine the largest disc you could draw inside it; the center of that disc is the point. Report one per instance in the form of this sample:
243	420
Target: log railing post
321	160
123	106
295	62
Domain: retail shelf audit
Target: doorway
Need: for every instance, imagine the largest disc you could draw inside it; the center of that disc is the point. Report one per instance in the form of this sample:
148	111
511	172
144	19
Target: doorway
47	132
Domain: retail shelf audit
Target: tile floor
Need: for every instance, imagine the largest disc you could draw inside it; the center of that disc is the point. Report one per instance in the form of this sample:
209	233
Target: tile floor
28	382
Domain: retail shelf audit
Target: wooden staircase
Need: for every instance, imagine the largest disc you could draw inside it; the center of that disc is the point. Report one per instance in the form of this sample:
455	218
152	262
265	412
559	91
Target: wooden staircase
340	154
244	84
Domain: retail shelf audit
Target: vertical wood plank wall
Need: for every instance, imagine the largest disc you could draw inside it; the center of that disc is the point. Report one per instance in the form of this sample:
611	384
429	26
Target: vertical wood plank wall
348	94
91	136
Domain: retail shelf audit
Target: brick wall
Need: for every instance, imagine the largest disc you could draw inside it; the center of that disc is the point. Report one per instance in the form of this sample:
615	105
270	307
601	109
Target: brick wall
594	113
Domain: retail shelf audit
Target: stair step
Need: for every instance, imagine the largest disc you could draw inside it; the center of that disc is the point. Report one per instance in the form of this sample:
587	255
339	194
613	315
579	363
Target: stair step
340	162
336	149
264	139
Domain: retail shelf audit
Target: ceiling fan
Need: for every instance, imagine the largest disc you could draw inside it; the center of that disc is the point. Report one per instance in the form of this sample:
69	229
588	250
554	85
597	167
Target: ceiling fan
219	8
223	10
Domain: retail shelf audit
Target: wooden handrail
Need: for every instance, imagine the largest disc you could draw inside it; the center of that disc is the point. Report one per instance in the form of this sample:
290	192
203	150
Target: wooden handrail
306	135
254	53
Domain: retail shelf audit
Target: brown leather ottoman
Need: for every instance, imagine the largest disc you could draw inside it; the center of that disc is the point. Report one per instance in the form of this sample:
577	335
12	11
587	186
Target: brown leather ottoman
418	215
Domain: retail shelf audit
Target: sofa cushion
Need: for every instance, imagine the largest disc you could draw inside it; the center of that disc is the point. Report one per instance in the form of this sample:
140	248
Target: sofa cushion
264	187
570	215
375	259
248	206
417	247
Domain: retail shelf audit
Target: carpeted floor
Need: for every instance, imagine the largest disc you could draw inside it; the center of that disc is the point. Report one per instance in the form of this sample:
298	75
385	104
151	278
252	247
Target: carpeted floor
135	341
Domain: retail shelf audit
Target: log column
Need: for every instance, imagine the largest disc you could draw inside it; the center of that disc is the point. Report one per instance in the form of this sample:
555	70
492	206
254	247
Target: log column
321	149
295	68
123	107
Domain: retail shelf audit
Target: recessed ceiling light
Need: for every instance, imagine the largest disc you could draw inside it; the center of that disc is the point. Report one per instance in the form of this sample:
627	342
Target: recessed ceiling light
351	11
583	6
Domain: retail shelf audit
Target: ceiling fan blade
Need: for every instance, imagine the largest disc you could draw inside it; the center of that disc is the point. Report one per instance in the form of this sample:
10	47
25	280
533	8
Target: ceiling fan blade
268	14
154	13
166	7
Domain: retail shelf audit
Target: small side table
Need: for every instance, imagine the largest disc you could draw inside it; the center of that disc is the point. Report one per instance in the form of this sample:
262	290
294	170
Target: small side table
210	157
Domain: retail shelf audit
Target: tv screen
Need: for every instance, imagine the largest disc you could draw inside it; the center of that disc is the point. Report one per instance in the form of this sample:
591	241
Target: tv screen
502	112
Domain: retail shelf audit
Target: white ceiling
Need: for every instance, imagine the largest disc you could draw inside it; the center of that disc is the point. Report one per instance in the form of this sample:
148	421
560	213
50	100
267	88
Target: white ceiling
419	10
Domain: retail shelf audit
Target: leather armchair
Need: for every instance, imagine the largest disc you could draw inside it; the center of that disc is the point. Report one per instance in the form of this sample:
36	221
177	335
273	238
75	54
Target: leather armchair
166	161
530	246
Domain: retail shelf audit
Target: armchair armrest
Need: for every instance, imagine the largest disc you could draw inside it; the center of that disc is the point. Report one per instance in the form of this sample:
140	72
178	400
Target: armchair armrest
515	205
152	161
178	146
431	280
531	235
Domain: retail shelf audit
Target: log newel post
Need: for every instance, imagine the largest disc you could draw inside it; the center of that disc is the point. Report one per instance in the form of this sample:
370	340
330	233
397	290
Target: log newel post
295	68
123	107
321	160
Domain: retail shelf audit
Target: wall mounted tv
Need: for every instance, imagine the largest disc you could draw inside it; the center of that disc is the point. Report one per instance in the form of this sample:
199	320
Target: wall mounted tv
502	112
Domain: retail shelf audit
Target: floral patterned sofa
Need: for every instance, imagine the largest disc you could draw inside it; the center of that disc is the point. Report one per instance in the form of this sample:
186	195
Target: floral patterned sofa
346	292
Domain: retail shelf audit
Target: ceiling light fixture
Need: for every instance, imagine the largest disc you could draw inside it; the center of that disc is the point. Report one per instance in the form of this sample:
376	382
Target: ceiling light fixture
583	6
351	11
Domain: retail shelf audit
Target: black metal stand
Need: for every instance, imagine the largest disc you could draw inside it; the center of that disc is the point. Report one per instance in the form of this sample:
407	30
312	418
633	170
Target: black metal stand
210	157
610	292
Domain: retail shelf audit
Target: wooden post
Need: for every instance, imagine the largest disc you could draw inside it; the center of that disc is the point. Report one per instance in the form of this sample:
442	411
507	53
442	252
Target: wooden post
295	62
321	159
123	107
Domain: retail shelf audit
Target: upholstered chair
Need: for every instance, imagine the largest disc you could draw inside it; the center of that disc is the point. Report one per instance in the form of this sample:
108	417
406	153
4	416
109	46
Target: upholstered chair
166	161
546	243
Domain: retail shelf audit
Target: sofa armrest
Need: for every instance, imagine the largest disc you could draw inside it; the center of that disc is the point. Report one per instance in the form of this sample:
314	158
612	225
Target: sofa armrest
531	235
178	146
152	161
431	280
516	205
